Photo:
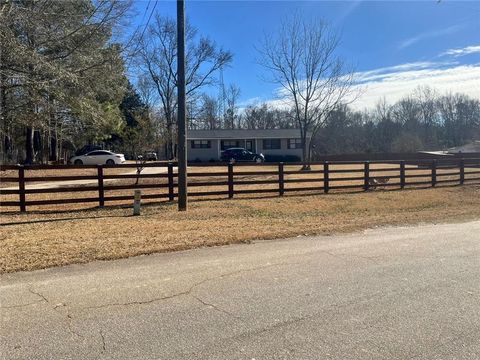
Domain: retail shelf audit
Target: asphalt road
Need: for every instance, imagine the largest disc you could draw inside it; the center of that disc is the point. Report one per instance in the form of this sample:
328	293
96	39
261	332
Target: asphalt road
397	293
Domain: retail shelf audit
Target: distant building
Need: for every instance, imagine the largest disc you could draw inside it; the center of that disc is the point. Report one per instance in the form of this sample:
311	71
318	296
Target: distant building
472	147
470	150
207	145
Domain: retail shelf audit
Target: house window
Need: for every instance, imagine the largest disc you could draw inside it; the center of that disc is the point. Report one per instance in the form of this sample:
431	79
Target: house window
272	144
294	143
201	144
227	144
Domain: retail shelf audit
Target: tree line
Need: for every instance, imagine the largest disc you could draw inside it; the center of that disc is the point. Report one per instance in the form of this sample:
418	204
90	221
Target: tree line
423	120
64	83
69	76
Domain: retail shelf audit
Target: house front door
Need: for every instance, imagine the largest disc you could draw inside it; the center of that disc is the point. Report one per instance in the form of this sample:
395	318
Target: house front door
249	145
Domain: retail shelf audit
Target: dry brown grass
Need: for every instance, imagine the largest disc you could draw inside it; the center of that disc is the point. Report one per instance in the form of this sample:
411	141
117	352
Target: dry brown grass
43	239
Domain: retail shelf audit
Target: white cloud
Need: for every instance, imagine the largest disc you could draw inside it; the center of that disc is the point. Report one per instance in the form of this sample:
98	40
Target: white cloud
250	101
429	35
462	51
380	73
393	85
396	82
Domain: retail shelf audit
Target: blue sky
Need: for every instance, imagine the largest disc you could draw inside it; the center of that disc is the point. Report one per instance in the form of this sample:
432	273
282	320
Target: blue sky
394	46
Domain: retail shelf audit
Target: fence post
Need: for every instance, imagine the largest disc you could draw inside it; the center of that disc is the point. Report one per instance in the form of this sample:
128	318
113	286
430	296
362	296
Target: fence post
170	182
281	184
326	177
21	188
434	172
230	180
366	174
101	192
137	198
402	174
462	171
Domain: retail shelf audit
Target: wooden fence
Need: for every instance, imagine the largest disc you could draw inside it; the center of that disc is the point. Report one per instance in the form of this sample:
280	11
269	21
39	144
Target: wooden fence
232	179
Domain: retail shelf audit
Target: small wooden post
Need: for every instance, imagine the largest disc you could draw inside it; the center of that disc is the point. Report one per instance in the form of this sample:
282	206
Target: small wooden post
170	182
462	171
136	202
281	183
326	177
101	192
366	172
402	174
21	188
434	172
230	180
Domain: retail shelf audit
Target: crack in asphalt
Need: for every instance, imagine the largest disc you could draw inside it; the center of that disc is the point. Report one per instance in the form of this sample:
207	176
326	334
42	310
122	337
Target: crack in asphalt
20	306
213	306
67	316
130	303
102	336
38	294
356	301
186	292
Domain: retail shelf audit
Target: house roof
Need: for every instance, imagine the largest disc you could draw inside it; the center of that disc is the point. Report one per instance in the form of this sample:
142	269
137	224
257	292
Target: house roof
243	134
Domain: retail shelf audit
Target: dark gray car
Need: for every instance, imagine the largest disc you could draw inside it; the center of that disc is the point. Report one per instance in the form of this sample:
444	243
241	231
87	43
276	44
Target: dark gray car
241	155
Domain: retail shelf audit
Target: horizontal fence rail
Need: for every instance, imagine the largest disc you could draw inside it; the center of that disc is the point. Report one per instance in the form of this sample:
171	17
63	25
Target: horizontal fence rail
21	185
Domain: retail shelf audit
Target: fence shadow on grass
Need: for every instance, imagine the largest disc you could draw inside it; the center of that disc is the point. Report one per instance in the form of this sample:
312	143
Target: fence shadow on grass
41	221
173	203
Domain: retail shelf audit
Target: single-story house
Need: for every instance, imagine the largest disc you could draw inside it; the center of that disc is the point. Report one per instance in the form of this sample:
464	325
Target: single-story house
207	145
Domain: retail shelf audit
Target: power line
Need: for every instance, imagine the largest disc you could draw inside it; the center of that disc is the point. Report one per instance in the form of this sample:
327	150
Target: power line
138	27
148	21
143	32
145	12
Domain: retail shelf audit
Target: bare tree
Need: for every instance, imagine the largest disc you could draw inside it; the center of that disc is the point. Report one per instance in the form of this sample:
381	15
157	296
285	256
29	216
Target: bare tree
157	56
231	112
382	110
208	113
427	101
264	116
461	118
313	79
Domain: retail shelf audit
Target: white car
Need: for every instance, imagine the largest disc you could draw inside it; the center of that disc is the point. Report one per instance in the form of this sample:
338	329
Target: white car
98	157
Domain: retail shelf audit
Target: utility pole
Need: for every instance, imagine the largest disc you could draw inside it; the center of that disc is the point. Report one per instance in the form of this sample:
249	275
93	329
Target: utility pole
181	118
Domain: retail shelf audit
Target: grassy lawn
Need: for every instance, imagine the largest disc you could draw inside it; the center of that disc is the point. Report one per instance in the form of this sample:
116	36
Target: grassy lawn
41	239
